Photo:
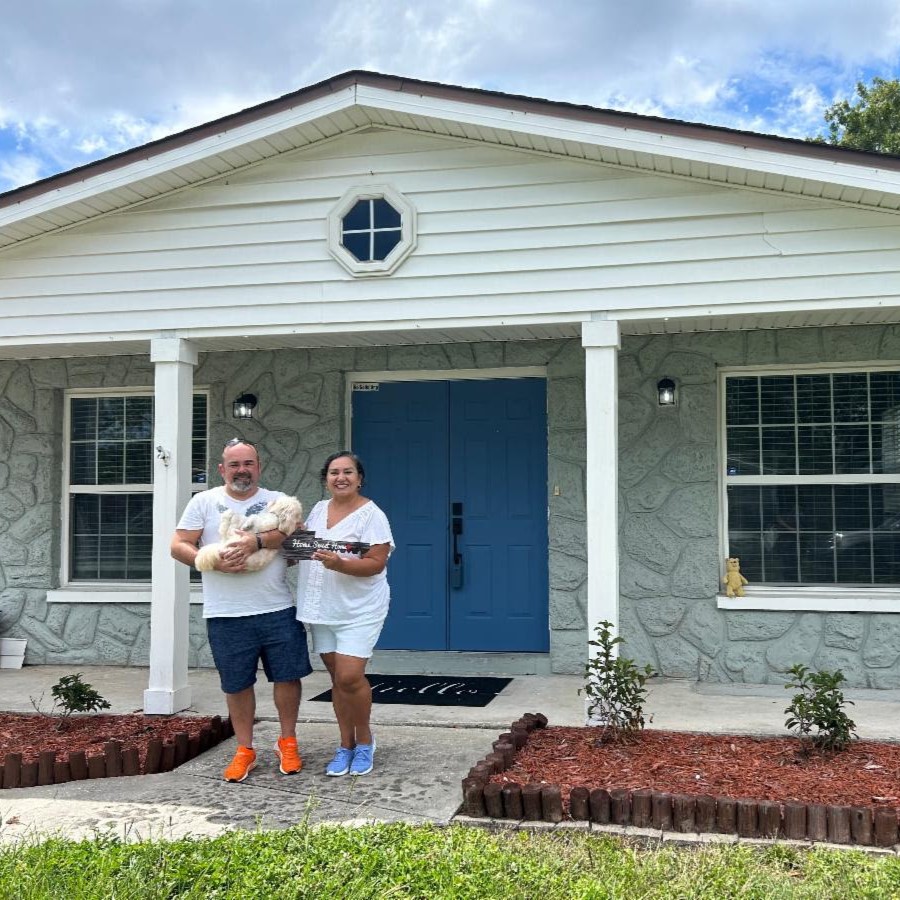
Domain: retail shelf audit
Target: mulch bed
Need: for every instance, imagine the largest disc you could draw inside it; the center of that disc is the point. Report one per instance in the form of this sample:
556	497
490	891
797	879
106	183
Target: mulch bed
688	782
34	751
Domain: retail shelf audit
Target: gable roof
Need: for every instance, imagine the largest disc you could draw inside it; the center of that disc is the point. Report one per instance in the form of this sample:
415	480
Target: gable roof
360	99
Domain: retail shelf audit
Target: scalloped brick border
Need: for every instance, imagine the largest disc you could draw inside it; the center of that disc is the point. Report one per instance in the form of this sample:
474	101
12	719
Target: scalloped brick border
116	759
864	826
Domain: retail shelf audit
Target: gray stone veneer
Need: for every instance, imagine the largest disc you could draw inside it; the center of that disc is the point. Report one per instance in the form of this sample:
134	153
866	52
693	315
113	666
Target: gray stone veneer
670	565
668	495
301	421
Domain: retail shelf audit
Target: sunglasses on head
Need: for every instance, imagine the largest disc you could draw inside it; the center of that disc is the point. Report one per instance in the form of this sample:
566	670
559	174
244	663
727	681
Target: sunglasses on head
235	441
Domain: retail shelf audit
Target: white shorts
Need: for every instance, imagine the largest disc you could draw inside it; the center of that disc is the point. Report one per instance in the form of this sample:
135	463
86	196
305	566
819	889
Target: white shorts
348	640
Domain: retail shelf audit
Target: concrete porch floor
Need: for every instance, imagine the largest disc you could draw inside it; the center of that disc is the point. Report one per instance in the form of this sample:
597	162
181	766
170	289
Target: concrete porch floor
423	752
672	704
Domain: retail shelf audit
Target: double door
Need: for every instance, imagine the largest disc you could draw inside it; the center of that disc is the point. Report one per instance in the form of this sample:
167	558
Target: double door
460	469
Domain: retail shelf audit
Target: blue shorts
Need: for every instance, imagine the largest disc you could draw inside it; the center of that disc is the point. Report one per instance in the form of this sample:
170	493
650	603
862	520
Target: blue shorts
238	643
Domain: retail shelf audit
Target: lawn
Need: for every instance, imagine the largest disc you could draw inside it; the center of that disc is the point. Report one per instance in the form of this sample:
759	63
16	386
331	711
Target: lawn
381	861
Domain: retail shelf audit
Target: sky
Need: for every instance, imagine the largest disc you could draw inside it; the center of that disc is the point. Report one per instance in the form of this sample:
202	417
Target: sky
83	79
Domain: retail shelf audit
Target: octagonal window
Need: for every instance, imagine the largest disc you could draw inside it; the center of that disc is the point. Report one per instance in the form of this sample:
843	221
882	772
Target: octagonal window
371	232
371	229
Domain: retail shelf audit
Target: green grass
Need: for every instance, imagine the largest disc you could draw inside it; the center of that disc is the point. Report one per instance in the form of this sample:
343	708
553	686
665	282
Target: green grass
393	861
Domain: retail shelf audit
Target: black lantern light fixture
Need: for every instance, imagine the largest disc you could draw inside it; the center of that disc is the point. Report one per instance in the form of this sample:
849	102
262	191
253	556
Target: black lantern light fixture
665	388
243	406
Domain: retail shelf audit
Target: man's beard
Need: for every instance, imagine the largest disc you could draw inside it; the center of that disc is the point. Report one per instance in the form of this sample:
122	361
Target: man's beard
241	483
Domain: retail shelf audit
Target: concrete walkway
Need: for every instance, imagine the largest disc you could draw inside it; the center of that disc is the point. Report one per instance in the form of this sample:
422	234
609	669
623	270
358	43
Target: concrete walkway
423	752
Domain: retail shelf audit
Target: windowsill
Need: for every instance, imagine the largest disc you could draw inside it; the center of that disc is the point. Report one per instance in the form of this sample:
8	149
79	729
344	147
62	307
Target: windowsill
109	593
785	599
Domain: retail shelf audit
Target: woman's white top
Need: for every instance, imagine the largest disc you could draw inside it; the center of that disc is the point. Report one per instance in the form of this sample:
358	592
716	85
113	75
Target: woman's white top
325	597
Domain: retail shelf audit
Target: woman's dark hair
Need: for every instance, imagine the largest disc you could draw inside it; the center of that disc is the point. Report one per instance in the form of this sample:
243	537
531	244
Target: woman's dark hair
323	475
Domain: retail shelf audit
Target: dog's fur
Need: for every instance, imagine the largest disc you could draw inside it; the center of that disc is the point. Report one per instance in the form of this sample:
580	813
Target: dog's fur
285	514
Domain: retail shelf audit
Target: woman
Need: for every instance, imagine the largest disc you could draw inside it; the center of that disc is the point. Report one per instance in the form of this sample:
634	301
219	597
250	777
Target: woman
344	599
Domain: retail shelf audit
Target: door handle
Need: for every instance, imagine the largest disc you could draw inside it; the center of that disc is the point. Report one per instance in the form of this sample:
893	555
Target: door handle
456	559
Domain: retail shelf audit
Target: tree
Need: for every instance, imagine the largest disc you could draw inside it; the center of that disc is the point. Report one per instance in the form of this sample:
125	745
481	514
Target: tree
871	122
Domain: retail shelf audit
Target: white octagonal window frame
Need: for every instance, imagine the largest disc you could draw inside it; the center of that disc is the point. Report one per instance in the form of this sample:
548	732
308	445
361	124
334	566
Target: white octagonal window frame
404	246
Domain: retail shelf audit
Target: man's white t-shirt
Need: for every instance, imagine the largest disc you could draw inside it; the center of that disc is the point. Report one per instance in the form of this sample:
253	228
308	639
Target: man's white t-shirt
325	597
230	594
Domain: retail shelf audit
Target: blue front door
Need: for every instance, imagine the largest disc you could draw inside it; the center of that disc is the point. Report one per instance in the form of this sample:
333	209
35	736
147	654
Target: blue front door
460	468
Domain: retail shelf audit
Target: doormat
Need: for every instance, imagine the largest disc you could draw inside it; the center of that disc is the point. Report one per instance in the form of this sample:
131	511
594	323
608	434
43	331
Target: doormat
431	690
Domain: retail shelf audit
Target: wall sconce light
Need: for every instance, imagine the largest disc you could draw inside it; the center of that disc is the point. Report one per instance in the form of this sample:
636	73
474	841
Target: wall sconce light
243	406
665	388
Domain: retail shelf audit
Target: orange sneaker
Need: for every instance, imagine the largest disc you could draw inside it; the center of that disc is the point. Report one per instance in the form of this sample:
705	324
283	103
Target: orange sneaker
242	765
288	756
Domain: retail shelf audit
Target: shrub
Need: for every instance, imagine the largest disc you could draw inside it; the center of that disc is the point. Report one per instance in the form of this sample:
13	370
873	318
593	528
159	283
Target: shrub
819	705
615	688
72	695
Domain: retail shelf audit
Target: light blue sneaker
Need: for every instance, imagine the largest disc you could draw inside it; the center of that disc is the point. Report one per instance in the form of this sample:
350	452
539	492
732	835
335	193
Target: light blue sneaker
363	758
340	763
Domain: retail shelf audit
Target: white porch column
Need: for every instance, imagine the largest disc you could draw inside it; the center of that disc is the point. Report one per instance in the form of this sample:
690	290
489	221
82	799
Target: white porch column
601	344
168	690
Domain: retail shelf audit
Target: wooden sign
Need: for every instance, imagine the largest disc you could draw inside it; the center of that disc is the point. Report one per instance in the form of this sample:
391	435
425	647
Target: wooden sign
302	544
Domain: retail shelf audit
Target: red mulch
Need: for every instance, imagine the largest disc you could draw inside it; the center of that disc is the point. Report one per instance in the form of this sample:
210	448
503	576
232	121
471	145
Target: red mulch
866	774
29	734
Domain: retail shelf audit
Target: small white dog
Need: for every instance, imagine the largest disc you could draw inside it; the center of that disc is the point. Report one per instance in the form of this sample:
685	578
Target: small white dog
285	514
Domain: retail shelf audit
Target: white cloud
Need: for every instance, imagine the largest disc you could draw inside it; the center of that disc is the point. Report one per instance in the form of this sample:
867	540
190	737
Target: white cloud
115	73
17	170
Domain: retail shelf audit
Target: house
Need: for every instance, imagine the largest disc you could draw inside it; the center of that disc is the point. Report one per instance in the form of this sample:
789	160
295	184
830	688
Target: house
586	356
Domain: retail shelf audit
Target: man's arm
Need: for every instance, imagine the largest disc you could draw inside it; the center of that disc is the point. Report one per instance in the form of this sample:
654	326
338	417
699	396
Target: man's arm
184	549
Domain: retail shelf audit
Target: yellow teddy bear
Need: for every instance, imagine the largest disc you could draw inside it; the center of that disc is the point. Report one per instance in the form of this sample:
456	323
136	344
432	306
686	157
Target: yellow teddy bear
734	582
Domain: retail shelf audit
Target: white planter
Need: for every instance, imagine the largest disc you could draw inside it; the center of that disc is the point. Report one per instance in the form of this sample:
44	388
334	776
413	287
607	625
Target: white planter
12	652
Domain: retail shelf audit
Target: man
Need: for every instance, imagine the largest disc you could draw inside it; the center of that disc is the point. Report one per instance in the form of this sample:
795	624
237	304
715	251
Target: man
249	615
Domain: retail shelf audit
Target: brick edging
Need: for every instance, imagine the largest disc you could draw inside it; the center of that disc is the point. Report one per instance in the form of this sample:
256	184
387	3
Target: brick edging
865	826
116	759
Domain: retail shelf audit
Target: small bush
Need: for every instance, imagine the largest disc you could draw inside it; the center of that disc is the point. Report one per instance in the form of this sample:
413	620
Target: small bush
72	695
819	705
615	688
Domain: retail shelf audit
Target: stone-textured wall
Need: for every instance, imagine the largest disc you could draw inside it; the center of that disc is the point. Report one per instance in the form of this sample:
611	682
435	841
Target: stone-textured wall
301	421
670	566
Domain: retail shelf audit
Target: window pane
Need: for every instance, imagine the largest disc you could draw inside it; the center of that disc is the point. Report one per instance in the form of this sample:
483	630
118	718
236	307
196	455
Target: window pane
886	442
813	398
83	551
140	514
83	464
385	214
85	513
742	401
110	463
816	507
111	418
851	397
747	547
851	449
852	507
198	440
138	462
139	559
139	418
358	245
359	218
777	399
385	241
112	563
83	416
744	511
743	451
814	450
817	558
779	451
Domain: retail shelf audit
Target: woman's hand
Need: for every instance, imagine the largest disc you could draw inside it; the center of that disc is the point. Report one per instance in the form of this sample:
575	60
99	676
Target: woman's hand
328	559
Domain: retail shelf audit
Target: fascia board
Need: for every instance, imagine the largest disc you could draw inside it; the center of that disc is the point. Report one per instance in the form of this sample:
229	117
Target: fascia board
194	152
708	151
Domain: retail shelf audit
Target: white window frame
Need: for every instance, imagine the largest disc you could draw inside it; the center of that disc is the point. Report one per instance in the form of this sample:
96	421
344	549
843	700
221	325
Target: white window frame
102	591
800	598
404	246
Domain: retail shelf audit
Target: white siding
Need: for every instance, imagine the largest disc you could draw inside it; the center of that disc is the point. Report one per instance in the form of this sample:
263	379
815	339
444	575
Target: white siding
501	233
